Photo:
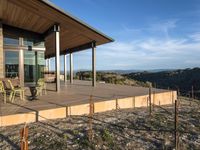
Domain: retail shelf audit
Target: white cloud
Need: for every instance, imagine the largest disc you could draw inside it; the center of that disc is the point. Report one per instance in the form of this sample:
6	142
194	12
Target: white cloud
147	52
151	53
195	36
164	27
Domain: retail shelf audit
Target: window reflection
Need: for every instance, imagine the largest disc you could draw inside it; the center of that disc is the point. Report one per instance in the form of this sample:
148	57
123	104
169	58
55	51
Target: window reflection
11	64
34	64
10	40
41	65
29	66
33	42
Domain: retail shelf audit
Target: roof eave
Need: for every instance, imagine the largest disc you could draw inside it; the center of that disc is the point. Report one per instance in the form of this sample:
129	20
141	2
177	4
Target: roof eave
50	4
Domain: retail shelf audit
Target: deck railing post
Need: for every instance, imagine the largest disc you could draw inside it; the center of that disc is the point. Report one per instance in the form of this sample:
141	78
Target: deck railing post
133	102
192	92
91	112
150	100
24	138
176	125
154	97
178	92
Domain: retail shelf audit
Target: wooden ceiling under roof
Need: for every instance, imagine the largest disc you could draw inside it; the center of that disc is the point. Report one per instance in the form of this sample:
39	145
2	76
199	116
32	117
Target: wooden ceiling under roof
40	15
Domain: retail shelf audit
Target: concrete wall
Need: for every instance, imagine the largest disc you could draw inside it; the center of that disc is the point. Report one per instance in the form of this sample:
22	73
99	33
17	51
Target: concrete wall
1	52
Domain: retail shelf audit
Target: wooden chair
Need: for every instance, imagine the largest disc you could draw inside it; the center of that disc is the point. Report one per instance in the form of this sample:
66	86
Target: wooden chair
41	87
2	90
15	90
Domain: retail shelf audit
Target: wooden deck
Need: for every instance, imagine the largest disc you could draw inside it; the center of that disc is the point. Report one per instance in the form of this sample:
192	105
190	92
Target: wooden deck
74	100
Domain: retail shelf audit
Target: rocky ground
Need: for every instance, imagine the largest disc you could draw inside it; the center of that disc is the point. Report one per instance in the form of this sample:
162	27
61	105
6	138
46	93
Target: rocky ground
118	129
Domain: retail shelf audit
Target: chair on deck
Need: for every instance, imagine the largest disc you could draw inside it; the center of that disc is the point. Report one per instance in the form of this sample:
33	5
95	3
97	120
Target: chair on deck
15	90
2	90
41	87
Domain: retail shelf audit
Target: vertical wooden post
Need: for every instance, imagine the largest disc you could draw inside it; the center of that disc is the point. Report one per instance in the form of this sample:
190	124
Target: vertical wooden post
178	92
154	97
133	102
24	138
117	104
176	125
150	100
90	131
192	92
172	97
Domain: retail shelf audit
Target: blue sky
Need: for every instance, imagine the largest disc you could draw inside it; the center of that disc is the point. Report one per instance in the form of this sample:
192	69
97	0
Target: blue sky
149	34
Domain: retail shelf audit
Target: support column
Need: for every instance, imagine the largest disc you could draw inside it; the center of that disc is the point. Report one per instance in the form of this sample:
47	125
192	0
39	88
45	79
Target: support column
1	52
49	64
46	65
36	68
57	58
21	63
65	68
71	68
94	64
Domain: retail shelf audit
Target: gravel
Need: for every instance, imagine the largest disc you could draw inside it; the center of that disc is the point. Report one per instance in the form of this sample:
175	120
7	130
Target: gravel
118	129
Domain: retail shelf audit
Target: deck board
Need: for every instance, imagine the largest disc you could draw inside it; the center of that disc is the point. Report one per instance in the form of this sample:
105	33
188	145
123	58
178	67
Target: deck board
74	100
78	93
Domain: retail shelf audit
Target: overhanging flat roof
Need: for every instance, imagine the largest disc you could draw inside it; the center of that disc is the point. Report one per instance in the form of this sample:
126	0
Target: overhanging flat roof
40	15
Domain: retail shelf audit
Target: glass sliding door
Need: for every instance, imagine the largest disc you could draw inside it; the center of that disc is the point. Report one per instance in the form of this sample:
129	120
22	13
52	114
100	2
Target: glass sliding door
33	66
23	55
29	66
11	64
40	64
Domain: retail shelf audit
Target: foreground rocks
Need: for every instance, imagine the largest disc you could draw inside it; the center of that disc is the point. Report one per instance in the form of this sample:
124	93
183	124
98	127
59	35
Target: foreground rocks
119	129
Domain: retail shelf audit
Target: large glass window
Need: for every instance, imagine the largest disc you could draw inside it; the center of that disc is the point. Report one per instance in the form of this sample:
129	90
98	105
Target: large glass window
10	40
34	64
33	59
29	66
11	64
33	42
41	65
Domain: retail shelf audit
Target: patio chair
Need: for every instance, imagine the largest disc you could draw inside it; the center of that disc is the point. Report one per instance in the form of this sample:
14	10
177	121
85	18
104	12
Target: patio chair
41	87
2	90
15	90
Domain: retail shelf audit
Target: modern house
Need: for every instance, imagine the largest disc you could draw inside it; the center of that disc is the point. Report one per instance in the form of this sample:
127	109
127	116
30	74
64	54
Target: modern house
34	30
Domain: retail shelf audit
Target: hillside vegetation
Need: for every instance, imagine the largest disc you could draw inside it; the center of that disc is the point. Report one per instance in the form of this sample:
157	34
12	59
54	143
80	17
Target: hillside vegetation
177	79
109	77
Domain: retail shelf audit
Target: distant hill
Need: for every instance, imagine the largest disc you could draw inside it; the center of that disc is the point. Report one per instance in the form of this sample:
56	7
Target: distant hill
175	79
125	71
110	77
121	71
